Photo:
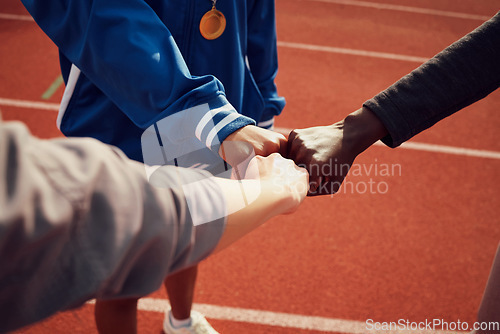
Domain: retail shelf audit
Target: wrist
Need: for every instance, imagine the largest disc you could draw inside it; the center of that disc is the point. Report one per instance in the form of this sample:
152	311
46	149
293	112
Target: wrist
275	197
362	129
236	147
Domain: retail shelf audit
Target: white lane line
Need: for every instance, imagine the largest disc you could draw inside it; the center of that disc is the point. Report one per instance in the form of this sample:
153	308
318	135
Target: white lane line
6	16
28	104
408	145
353	52
449	150
469	152
417	10
366	4
279	319
264	317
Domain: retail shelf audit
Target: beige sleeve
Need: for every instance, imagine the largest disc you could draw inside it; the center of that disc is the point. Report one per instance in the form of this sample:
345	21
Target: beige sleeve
78	220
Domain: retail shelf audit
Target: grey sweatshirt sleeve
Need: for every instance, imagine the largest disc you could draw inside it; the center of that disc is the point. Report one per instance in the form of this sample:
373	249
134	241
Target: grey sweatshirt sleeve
465	72
78	220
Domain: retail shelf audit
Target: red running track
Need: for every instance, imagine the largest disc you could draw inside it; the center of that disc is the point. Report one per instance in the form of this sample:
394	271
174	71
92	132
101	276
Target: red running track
422	250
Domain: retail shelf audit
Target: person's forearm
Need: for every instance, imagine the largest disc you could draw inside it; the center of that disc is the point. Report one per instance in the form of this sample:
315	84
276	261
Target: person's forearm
82	220
463	73
244	219
280	188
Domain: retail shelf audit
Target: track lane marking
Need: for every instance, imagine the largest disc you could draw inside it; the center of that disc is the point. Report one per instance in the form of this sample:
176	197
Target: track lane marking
447	149
462	151
263	317
278	319
6	16
230	313
29	104
353	52
366	4
54	86
408	9
310	47
435	148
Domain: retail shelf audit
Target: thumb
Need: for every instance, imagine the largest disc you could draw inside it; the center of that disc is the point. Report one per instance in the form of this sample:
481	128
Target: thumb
283	147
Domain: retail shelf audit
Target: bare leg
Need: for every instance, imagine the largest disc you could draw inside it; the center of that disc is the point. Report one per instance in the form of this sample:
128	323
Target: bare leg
120	315
489	311
180	289
116	316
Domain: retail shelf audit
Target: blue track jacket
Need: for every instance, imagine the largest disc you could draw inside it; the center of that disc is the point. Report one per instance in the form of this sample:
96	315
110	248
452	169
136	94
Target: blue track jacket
130	63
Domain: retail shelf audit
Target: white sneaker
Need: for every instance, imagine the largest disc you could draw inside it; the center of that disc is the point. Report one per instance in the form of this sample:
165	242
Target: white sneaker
199	325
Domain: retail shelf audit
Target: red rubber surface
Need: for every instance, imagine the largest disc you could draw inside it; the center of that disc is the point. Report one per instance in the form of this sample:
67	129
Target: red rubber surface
421	251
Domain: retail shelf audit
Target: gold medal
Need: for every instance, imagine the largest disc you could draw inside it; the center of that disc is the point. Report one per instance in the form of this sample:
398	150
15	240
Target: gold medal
212	24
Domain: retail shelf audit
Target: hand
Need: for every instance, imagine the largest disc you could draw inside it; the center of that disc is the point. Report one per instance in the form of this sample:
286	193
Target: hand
281	178
251	140
328	152
324	153
278	188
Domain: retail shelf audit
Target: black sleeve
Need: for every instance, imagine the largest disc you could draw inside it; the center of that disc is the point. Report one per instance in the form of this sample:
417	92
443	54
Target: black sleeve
463	73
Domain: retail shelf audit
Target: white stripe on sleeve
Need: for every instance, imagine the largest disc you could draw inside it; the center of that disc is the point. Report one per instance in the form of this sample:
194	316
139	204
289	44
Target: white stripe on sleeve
225	121
74	74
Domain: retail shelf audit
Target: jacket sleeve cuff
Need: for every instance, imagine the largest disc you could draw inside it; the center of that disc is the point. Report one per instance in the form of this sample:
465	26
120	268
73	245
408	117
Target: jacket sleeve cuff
273	106
190	130
394	122
218	122
266	124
